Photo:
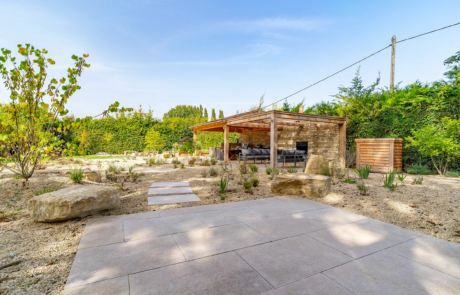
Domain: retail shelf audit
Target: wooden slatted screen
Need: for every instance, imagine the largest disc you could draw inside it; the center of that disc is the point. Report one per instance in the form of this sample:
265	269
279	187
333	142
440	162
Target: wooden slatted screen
382	154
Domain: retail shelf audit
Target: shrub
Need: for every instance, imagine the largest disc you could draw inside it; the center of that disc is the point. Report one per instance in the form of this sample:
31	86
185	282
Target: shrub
418	169
76	175
453	174
275	171
338	172
212	172
247	185
243	168
182	166
292	170
325	170
268	170
47	189
418	180
401	177
206	163
213	161
363	171
223	185
254	168
388	182
151	161
204	173
133	175
192	161
115	169
363	188
159	162
349	181
255	182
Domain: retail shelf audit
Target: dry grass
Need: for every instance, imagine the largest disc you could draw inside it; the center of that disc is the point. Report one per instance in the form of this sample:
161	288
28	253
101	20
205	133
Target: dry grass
48	249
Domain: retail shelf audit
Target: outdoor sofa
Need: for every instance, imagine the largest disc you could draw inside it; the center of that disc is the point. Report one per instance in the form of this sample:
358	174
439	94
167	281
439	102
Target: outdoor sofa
284	156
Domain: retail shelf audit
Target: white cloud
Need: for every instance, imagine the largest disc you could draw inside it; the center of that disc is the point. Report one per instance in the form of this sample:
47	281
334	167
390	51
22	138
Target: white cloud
277	24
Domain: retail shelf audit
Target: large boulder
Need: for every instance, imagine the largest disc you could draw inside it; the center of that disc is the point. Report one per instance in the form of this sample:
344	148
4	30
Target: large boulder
315	164
301	184
72	202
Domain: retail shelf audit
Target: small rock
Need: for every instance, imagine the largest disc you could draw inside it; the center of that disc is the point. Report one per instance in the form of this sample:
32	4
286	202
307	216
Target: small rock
11	255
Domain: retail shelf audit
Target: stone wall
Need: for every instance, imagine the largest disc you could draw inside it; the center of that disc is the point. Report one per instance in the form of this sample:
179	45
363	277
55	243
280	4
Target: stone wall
323	139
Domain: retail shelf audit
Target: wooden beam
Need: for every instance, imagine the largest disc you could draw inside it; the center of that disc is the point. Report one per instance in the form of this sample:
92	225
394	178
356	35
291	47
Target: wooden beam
273	141
248	119
226	143
308	118
343	144
209	126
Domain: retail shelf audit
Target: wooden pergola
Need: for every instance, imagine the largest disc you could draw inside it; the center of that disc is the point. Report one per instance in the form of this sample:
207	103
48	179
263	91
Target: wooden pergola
270	121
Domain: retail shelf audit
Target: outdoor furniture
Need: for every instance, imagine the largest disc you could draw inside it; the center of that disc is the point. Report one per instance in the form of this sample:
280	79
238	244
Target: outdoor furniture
255	154
292	156
232	154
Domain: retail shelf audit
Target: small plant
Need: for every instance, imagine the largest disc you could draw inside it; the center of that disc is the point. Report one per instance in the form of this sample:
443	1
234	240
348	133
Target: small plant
247	185
78	162
325	170
159	162
114	169
213	161
388	182
292	170
349	181
223	185
401	177
363	171
76	175
275	171
243	168
204	173
338	172
133	175
268	170
212	172
418	180
255	182
47	189
254	168
363	188
111	177
418	169
182	166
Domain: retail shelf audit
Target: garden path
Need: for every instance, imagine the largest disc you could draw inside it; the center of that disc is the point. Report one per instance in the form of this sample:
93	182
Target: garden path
178	192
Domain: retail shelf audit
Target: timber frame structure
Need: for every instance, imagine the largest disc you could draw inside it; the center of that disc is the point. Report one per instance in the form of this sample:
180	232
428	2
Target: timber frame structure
272	121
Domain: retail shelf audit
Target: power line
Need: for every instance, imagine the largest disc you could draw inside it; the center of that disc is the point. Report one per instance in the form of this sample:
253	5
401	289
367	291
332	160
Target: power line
357	63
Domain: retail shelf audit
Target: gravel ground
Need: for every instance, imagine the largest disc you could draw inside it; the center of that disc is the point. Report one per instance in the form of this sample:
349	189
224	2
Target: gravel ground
47	250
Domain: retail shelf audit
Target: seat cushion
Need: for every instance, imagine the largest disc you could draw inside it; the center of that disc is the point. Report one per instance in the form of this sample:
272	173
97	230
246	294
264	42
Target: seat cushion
300	152
266	151
246	152
256	152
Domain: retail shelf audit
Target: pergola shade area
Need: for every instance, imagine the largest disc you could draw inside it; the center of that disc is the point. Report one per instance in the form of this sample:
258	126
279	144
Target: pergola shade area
271	121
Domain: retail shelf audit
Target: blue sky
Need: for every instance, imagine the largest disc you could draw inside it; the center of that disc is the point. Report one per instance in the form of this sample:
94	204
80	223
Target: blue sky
227	54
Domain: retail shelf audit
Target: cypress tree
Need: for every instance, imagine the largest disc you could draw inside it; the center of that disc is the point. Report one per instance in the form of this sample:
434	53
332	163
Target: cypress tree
201	111
221	114
205	113
213	115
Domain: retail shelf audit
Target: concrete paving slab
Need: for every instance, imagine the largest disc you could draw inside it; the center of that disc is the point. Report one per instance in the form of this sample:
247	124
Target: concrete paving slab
388	273
105	262
363	237
121	218
206	242
228	216
285	226
149	228
280	208
189	210
173	199
435	253
332	216
242	204
167	184
221	274
317	284
143	215
174	190
289	260
101	234
116	286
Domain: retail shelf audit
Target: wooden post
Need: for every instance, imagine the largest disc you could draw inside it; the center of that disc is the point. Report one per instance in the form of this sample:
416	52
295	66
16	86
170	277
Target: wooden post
273	140
194	135
300	110
392	78
226	134
343	144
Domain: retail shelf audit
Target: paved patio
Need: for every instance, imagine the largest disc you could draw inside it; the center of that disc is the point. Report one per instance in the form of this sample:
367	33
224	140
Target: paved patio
282	245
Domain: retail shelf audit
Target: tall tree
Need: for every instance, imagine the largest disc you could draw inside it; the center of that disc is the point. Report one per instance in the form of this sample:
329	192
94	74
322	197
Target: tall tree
205	113
221	114
201	111
182	111
213	115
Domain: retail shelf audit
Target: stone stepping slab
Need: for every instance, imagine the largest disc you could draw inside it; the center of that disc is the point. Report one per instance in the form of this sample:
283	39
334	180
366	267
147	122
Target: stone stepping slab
163	200
173	190
165	184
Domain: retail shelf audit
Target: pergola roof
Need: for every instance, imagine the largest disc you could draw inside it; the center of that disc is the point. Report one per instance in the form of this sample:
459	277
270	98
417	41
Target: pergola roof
260	121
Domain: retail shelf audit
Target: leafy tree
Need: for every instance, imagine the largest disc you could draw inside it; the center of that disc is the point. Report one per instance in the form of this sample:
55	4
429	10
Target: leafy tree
258	106
183	111
205	114
213	115
154	141
221	114
440	143
108	138
453	66
84	139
